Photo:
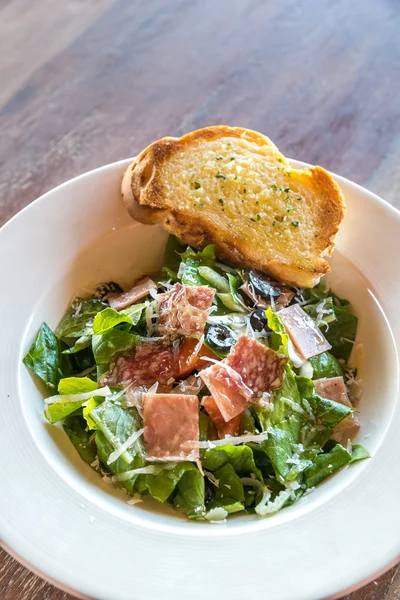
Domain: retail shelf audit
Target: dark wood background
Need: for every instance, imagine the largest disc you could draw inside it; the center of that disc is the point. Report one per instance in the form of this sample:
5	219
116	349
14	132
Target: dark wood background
87	82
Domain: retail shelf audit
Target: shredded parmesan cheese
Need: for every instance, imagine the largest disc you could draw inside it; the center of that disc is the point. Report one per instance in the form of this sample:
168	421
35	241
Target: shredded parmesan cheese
128	444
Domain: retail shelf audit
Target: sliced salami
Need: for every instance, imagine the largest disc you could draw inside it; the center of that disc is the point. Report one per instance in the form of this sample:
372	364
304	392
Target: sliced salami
184	310
260	368
147	363
224	428
169	421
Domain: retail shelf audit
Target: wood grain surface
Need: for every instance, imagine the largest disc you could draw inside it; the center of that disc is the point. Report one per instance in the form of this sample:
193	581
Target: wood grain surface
87	82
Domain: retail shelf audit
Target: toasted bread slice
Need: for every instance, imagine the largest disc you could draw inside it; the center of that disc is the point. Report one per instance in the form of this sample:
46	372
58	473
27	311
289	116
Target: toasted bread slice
232	187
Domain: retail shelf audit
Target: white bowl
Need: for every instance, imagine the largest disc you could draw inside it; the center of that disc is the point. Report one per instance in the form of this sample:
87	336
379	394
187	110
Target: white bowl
60	519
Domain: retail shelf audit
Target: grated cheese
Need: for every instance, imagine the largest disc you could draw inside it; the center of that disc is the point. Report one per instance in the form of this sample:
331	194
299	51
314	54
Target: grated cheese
103	391
127	444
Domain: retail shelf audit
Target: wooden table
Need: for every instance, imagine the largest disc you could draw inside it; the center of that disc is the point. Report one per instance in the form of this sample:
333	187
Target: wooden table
87	82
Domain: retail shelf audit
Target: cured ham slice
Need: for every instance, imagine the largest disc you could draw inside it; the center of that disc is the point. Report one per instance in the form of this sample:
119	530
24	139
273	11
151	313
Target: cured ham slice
260	368
142	288
224	428
227	388
169	421
305	335
184	310
334	389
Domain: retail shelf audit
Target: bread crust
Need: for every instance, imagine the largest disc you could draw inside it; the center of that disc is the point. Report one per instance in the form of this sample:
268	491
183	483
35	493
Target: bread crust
142	192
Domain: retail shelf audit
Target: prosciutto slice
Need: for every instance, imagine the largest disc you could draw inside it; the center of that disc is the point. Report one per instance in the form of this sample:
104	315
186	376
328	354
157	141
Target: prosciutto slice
169	421
227	388
305	335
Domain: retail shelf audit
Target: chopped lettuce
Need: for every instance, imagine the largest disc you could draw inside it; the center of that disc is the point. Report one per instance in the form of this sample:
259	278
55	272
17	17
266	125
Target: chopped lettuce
111	342
107	319
68	388
189	497
105	449
192	260
240	457
117	424
342	333
230	492
85	341
76	385
43	357
330	413
326	365
75	428
279	339
326	464
232	299
90	405
172	259
78	319
359	453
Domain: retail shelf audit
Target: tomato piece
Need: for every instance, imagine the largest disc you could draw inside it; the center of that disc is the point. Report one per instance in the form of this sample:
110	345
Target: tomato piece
189	359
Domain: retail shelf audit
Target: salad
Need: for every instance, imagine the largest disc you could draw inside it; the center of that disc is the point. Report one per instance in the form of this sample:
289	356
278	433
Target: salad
214	389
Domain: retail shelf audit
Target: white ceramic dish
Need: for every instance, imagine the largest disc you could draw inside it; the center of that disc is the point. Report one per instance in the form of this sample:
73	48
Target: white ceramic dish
62	521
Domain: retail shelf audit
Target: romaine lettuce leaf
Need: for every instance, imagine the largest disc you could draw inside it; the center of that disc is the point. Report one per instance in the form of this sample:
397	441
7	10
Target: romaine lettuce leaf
75	428
326	365
107	319
341	331
279	339
316	294
76	385
330	413
105	448
359	453
85	341
172	259
135	312
60	410
189	497
193	260
43	358
91	404
325	465
70	386
240	457
232	299
230	508
111	342
338	324
230	488
279	449
117	424
78	319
